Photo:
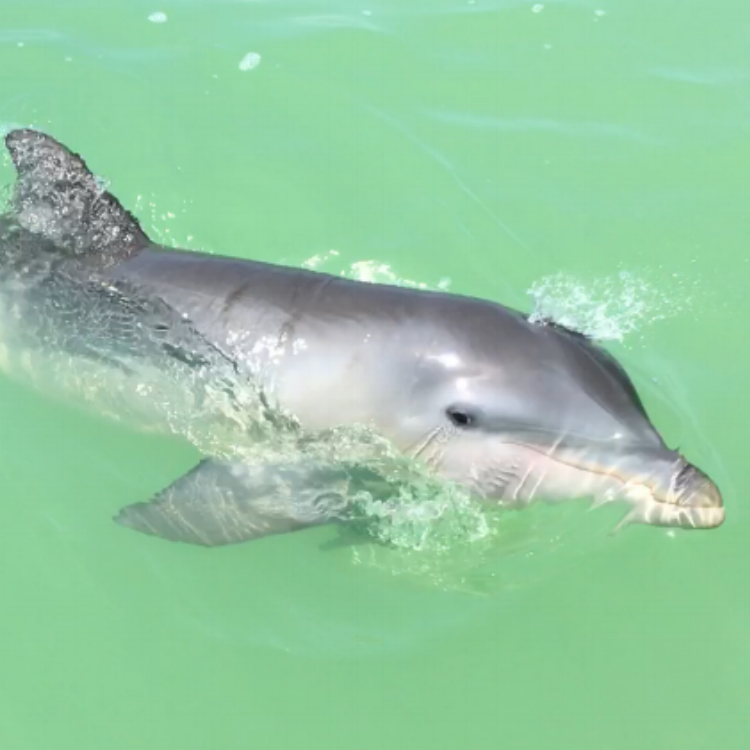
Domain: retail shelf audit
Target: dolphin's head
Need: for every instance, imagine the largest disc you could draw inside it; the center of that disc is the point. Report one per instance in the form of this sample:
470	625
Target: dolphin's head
517	411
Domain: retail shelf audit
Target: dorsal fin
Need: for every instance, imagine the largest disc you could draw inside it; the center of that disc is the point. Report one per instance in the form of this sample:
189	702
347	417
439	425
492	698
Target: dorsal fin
57	197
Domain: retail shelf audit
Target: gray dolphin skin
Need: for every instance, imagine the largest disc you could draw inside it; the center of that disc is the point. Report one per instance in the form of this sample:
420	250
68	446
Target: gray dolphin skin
509	409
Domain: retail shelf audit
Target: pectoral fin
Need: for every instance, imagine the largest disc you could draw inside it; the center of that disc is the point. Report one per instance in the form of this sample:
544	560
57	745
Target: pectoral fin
221	503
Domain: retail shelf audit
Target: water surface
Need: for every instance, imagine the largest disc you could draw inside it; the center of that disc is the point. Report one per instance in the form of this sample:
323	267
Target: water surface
589	158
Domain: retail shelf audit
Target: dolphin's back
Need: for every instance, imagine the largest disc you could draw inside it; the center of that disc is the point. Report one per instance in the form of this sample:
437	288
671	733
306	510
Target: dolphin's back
222	294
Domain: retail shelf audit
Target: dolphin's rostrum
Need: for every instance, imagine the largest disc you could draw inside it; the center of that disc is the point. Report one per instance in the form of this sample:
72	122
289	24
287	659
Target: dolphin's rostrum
509	409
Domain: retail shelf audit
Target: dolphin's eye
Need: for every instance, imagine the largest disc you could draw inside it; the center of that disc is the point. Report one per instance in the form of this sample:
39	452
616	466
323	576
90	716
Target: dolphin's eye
459	416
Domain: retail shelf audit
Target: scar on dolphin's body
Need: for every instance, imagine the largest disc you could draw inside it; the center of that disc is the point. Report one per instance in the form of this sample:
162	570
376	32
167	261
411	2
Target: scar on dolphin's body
509	409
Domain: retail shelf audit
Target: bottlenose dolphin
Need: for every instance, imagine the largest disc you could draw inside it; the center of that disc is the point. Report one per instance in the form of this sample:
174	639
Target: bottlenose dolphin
510	409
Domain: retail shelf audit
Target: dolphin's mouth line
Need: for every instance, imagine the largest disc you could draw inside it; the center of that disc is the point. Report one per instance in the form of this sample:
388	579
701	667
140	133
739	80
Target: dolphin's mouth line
648	505
591	468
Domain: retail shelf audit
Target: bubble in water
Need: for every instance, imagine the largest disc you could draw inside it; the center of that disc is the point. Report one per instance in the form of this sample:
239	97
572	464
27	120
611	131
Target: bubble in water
250	61
158	17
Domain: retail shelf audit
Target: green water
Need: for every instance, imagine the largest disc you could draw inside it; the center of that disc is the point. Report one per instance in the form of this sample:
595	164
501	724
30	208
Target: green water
500	148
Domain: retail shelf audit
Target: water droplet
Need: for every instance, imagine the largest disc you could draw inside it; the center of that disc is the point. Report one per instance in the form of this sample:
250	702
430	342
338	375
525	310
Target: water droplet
250	61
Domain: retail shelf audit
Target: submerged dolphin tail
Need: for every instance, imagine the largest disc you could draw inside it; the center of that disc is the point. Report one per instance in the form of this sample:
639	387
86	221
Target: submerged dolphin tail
59	199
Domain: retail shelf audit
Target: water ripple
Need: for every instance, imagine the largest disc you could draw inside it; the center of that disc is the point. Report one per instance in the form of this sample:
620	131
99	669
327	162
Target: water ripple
581	129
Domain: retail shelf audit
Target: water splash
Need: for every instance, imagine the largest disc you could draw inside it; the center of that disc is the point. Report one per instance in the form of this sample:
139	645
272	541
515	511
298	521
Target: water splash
513	549
609	308
370	271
